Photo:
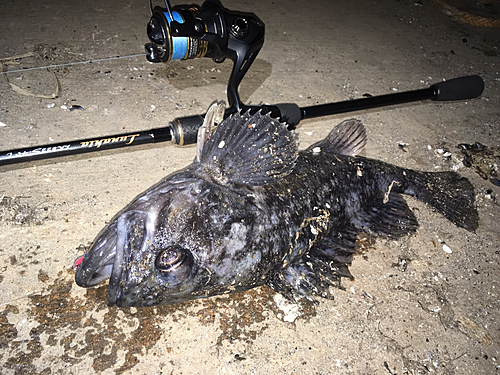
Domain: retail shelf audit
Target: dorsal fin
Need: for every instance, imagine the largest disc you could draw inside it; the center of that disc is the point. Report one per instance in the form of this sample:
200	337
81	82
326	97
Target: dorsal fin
249	150
347	138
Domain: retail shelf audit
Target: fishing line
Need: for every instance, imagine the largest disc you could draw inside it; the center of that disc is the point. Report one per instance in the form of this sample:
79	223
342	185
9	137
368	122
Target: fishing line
68	64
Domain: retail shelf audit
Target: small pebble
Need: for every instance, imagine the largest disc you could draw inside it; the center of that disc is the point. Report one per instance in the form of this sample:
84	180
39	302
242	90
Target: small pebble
291	310
447	248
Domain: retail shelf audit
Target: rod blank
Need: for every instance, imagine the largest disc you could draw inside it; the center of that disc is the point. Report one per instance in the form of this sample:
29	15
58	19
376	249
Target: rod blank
84	146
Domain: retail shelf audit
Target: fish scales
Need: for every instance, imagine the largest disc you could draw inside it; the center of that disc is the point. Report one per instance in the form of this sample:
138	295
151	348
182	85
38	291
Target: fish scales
253	209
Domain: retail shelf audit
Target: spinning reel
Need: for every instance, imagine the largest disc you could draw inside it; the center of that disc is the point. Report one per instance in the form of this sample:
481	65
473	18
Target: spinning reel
189	31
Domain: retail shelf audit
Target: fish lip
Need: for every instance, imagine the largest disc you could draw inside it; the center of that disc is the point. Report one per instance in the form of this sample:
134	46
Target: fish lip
97	263
115	291
110	253
127	226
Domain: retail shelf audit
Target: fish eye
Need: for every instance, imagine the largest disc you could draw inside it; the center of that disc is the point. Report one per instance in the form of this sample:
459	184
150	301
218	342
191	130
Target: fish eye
170	258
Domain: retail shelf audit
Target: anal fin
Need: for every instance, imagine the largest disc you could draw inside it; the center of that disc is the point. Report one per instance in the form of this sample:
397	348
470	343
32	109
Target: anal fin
391	218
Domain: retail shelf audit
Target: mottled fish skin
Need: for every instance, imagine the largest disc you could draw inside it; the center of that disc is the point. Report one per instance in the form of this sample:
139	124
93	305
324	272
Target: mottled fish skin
253	210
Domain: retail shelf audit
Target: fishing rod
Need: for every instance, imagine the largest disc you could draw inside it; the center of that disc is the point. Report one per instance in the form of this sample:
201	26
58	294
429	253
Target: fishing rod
183	130
189	31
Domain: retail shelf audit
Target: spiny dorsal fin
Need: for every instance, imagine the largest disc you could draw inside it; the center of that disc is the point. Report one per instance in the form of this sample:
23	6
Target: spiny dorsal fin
249	150
347	138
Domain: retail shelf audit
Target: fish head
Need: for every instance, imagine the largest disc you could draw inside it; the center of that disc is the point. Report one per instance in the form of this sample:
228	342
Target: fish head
204	230
178	241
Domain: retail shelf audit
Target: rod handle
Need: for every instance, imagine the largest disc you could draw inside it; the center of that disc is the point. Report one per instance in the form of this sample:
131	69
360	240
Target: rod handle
458	88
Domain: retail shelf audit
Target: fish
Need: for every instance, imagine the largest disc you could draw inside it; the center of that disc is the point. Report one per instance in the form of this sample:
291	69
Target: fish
253	209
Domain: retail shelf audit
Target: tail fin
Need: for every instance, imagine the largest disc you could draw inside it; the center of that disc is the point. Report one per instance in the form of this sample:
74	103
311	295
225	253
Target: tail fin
449	193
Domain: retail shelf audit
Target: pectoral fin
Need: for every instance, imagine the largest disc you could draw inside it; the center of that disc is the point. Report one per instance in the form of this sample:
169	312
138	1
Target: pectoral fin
319	269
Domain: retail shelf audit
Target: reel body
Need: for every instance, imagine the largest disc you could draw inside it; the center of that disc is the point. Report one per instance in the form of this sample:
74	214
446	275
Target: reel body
189	31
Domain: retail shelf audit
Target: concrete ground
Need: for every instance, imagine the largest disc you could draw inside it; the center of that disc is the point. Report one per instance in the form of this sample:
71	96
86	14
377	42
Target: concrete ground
415	307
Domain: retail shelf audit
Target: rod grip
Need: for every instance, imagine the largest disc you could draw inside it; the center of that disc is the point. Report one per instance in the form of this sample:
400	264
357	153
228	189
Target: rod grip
459	88
289	113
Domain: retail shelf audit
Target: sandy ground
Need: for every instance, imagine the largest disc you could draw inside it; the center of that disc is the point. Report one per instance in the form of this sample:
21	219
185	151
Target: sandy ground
413	308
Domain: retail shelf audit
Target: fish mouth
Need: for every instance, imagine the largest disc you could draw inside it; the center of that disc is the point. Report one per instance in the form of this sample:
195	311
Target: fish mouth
98	263
109	255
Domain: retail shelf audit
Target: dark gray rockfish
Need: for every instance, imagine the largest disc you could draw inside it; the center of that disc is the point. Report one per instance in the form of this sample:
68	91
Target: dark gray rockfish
253	209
